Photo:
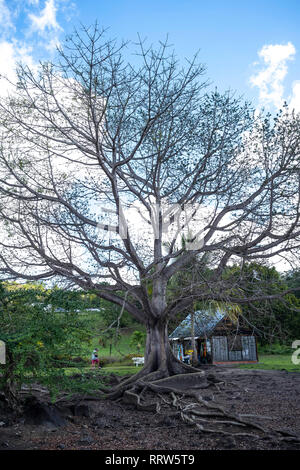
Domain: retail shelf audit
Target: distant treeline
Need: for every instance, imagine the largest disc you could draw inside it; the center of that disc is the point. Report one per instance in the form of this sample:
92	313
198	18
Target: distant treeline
56	298
274	320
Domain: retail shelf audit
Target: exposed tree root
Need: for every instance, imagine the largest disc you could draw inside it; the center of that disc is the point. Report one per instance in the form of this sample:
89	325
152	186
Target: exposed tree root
150	373
180	396
134	398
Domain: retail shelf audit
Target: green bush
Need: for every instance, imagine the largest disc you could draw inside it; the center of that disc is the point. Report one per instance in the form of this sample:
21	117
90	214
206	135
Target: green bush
88	383
69	361
137	340
275	348
38	342
131	355
105	360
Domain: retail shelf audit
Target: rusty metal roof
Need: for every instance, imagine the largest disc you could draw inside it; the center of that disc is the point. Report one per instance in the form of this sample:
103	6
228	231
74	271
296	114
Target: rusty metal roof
205	322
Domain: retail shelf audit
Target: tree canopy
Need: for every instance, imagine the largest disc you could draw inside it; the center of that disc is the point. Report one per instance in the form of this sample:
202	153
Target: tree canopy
106	165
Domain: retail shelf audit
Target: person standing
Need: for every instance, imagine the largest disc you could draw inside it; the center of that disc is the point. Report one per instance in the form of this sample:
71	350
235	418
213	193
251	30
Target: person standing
95	358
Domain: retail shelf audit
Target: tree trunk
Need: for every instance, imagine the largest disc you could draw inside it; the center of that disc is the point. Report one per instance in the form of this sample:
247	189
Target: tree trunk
159	356
160	362
158	353
157	343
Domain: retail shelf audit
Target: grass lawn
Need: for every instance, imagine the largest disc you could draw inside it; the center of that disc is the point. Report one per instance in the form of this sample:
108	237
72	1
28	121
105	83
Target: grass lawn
89	379
119	349
118	369
274	362
266	361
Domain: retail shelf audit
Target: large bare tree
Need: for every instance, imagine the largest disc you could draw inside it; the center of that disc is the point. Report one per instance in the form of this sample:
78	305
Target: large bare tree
117	176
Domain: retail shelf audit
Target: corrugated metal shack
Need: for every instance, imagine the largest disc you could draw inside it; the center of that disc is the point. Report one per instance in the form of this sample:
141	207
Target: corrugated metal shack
218	339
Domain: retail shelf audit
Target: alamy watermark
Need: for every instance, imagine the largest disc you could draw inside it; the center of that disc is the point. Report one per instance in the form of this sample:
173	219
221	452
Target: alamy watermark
2	353
296	354
170	221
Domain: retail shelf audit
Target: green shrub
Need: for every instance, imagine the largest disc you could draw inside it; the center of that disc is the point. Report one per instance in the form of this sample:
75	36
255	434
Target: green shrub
131	355
87	383
275	348
137	340
105	360
38	342
69	361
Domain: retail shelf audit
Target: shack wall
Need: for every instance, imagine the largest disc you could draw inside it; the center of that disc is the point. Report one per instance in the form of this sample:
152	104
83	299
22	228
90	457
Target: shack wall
249	348
219	348
222	353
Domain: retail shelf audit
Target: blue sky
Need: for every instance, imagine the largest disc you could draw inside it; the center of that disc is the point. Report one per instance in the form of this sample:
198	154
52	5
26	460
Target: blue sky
249	46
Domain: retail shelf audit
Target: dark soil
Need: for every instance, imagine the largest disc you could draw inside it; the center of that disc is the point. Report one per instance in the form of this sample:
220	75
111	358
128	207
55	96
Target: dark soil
110	425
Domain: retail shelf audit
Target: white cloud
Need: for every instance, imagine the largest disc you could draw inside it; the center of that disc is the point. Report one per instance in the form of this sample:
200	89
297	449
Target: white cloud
7	59
295	97
46	20
52	44
20	44
11	53
5	17
269	80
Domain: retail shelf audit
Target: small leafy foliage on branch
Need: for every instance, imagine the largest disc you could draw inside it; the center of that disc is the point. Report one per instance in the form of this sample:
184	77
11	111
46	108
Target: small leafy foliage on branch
38	340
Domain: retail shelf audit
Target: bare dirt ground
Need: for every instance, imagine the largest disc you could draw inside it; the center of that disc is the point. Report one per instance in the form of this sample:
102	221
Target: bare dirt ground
104	424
